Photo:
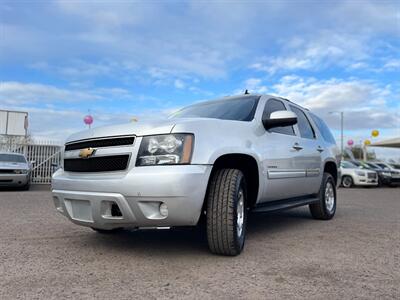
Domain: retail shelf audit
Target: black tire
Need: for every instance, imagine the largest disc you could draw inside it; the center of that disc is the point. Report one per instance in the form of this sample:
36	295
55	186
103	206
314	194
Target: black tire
324	209
347	181
227	189
107	231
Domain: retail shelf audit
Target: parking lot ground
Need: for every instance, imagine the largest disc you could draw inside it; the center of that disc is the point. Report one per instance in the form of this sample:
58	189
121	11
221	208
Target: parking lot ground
287	255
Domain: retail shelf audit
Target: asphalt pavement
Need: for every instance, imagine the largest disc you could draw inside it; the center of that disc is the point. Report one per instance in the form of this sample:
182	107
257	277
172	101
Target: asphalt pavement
288	255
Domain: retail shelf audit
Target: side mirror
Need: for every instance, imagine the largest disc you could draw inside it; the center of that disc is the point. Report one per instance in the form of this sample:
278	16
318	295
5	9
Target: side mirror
280	118
32	162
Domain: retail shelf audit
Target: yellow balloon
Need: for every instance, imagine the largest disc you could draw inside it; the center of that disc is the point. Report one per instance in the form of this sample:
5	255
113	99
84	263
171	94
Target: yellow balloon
367	142
375	133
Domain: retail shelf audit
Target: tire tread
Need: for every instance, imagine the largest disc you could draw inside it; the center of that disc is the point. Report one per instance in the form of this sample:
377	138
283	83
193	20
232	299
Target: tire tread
220	212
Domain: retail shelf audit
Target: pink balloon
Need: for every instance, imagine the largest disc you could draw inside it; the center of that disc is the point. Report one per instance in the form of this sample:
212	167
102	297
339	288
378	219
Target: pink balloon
350	142
88	120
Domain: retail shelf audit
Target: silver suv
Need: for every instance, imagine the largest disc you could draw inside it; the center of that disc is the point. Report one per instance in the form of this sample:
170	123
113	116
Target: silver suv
213	161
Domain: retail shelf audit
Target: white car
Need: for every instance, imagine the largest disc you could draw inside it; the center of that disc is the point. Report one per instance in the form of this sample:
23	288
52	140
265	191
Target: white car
15	170
352	175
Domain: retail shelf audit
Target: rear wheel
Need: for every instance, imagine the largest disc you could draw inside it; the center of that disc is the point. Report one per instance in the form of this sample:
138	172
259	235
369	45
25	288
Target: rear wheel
226	212
347	181
325	208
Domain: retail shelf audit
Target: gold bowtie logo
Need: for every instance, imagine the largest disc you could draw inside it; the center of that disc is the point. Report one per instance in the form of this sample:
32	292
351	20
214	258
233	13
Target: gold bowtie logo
86	153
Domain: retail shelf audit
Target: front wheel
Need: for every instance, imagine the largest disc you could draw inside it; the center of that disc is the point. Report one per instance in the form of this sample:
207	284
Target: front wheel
226	212
347	181
325	208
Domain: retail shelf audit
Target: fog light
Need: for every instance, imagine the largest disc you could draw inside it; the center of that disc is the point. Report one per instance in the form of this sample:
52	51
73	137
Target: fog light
163	209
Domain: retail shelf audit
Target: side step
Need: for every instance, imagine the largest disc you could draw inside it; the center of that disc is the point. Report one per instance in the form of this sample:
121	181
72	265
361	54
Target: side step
284	204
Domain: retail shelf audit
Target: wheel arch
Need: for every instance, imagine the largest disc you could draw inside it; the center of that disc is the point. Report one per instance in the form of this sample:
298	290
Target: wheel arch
248	165
331	168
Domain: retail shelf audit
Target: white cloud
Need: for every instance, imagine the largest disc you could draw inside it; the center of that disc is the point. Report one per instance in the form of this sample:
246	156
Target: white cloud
365	103
254	85
179	84
321	50
17	93
392	64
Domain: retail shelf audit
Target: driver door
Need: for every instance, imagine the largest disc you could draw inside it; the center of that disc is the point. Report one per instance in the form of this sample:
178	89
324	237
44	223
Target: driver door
283	173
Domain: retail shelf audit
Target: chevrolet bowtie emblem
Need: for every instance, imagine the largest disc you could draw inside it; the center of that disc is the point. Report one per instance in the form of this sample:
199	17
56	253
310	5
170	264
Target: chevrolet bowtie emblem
87	152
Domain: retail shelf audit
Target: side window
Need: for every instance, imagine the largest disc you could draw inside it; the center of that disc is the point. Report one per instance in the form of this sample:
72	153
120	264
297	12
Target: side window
324	129
305	128
275	105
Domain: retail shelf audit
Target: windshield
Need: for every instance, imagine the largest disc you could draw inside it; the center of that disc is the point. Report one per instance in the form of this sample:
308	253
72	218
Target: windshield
364	165
238	109
374	166
383	166
348	165
12	158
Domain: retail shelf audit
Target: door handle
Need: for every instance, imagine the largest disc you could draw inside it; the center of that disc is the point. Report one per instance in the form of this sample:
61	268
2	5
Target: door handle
297	147
320	149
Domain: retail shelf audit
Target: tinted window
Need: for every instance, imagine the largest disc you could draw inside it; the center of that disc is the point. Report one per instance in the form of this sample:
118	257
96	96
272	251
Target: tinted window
305	128
12	158
276	105
324	129
240	109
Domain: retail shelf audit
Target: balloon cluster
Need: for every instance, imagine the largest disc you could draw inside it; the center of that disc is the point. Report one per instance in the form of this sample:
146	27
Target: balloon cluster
367	142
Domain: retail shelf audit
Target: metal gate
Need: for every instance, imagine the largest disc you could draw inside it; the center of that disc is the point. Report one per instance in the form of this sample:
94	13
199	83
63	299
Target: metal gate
44	156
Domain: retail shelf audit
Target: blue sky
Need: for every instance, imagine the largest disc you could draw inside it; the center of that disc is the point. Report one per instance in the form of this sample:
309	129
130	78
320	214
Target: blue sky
119	59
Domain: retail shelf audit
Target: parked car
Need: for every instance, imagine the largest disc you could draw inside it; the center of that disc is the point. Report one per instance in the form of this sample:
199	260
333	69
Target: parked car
215	160
396	166
15	170
354	175
395	173
384	176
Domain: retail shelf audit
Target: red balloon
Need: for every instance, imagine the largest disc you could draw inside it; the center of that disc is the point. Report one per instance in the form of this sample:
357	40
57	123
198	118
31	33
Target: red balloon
88	120
350	142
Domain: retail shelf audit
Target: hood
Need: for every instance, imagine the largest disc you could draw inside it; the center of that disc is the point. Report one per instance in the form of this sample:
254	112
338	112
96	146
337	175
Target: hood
13	165
139	128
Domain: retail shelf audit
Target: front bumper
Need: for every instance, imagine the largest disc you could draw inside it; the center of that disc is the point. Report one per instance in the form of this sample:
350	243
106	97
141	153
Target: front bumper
395	181
14	179
364	181
86	199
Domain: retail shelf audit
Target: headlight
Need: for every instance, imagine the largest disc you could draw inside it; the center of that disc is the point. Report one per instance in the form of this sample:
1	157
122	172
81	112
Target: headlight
168	149
360	173
388	174
21	171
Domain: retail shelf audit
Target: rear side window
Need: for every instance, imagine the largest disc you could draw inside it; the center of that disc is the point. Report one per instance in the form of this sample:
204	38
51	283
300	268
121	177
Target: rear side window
276	105
324	129
305	128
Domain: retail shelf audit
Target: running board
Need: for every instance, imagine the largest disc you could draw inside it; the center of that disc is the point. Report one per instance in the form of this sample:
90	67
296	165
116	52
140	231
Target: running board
284	204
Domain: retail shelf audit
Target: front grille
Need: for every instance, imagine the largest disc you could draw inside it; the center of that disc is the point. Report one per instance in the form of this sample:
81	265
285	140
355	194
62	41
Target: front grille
6	171
106	142
97	164
371	175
